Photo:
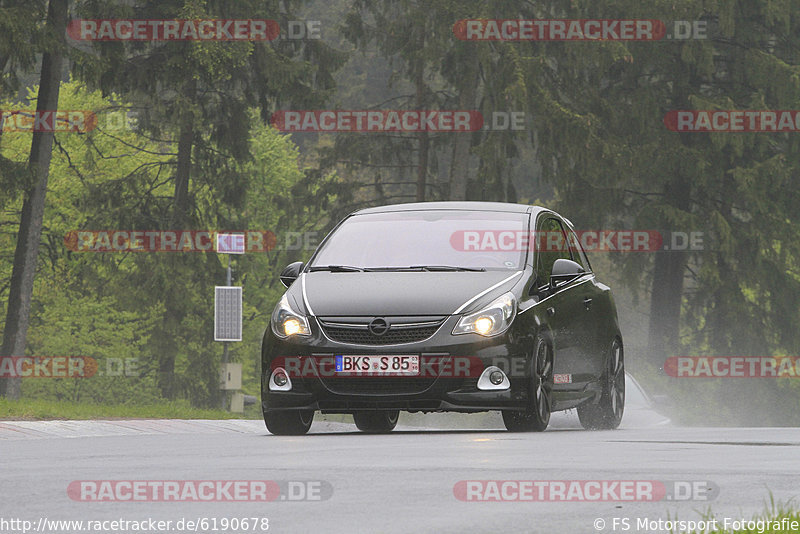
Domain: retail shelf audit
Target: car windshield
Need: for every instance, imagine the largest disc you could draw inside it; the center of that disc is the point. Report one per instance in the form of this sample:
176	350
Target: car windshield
436	240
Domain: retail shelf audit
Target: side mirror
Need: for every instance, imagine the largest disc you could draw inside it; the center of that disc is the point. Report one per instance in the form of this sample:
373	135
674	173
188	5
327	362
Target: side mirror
565	270
290	273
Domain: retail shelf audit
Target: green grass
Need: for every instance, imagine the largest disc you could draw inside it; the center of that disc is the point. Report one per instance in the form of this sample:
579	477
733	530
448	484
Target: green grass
773	511
759	529
43	410
33	410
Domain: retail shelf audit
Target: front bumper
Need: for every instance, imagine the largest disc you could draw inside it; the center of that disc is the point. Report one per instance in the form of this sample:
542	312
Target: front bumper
449	385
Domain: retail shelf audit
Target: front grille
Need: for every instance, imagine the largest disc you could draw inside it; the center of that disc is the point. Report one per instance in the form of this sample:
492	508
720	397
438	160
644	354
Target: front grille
398	333
379	385
469	384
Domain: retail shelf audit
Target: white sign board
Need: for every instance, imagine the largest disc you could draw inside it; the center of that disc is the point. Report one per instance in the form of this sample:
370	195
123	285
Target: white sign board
230	243
227	313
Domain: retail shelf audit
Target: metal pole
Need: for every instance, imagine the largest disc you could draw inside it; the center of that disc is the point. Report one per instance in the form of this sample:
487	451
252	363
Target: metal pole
225	343
227	283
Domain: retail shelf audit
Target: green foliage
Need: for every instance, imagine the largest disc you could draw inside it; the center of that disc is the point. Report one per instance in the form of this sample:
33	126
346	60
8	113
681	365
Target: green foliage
599	110
107	305
20	39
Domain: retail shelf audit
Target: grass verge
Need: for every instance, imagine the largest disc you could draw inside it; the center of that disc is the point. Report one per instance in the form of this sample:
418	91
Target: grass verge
777	518
36	410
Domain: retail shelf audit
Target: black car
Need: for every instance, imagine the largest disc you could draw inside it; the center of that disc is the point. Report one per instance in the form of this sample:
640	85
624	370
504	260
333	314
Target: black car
444	306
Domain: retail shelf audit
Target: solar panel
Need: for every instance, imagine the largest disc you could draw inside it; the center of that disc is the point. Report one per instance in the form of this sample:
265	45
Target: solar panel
227	313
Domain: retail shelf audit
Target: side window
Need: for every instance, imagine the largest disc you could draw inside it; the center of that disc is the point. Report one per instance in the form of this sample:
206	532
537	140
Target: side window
551	245
578	255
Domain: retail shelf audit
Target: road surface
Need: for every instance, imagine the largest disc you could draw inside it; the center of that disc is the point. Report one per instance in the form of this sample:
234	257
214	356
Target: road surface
412	480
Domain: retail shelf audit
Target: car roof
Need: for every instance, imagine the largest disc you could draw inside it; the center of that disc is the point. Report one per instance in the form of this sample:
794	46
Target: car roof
453	205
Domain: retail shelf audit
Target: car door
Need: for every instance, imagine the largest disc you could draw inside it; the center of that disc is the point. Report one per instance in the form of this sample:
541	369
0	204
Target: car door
588	326
563	304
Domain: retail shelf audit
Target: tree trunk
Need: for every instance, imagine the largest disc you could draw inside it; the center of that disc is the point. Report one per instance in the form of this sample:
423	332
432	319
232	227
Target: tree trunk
30	226
180	214
421	103
174	313
459	167
667	289
422	167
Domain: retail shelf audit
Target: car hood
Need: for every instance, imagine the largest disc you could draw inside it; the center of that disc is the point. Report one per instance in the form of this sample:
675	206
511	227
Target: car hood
397	293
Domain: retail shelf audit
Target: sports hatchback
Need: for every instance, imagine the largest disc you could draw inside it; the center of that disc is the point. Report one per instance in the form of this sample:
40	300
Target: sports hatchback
444	306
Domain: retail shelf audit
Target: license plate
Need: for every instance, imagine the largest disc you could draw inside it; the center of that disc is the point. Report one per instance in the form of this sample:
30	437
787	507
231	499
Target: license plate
395	365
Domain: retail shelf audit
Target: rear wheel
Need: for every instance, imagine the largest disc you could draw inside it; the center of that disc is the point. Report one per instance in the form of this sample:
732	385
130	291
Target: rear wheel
376	422
289	423
607	413
536	416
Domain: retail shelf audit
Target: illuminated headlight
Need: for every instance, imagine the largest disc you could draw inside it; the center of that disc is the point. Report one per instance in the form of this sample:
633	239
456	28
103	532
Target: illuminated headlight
287	322
494	319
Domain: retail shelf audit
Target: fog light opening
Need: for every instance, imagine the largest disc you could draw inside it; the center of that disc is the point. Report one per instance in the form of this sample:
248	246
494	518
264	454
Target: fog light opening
279	380
493	378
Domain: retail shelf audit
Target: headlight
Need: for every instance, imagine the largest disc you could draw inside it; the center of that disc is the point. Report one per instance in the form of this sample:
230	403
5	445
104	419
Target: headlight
287	322
494	319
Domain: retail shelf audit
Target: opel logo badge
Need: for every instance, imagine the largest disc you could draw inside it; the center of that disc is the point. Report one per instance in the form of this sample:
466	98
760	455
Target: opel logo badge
378	327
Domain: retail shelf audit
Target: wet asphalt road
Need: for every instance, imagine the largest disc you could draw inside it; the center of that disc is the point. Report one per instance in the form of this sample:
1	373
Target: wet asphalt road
413	480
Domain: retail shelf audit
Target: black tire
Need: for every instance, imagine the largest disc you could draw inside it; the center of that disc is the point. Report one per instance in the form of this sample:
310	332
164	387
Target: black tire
379	422
607	413
536	416
289	423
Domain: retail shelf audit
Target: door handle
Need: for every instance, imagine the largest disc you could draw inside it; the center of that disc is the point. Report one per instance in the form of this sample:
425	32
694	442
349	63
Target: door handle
587	303
551	311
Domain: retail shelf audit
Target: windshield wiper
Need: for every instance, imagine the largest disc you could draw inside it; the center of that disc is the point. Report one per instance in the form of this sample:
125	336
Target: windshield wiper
448	268
426	268
379	269
336	268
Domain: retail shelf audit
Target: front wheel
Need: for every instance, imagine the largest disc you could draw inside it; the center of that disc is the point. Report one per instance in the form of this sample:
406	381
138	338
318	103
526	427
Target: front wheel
376	422
536	416
607	413
289	423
